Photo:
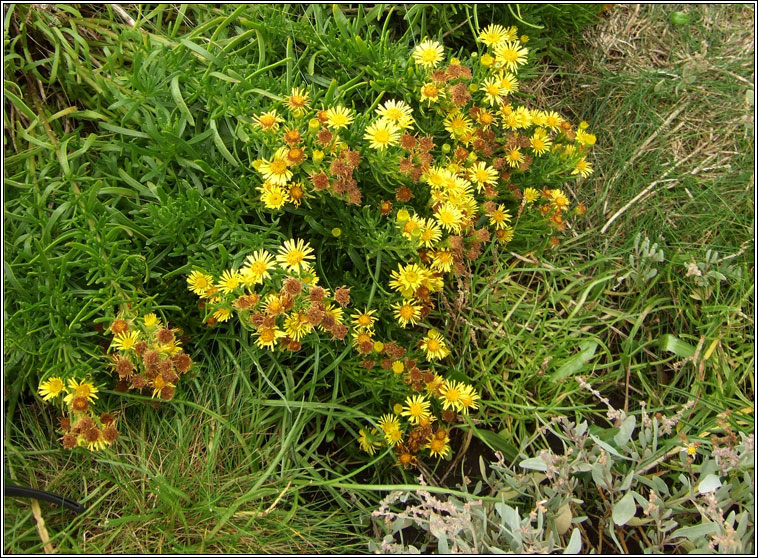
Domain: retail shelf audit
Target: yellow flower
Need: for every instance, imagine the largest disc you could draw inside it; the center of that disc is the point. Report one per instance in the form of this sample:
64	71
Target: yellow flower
222	314
559	199
339	117
50	388
389	422
434	345
585	138
382	133
514	157
494	35
442	260
398	368
467	399
481	175
80	389
297	326
406	312
507	82
500	217
230	280
397	112
540	141
449	217
553	120
439	447
274	196
294	255
151	320
450	393
277	169
493	92
267	336
125	341
256	269
403	215
430	92
416	408
428	54
297	101
486	60
199	282
364	320
511	55
268	121
531	195
407	279
582	168
368	440
458	125
430	233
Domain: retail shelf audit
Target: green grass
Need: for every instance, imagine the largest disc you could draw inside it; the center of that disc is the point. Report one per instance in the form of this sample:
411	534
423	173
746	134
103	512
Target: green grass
118	199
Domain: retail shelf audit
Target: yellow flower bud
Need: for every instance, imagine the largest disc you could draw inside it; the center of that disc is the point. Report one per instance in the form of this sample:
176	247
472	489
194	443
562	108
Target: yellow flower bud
487	60
397	408
336	232
378	346
318	156
403	216
473	87
314	124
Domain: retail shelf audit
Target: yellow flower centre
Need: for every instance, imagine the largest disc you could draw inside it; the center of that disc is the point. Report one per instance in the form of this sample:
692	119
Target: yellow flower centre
294	257
452	395
267	120
382	136
278	166
267	335
339	120
430	90
393	114
514	155
295	154
297	101
415	409
485	118
407	312
364	320
83	390
411	277
429	55
482	175
509	55
493	90
201	282
432	345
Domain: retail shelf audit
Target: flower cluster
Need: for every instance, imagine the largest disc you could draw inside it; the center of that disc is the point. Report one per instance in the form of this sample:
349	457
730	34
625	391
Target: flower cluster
147	355
81	426
288	307
307	157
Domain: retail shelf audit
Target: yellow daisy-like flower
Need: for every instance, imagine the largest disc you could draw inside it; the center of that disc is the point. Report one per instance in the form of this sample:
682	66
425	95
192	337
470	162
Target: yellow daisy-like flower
531	195
297	101
439	447
199	282
508	83
277	169
407	279
495	35
151	320
553	120
339	117
485	118
80	389
396	112
274	196
458	125
559	199
467	399
539	117
406	312
450	394
434	345
267	337
297	326
416	408
500	217
50	388
256	269
389	422
585	138
273	304
222	314
514	157
582	168
540	141
230	280
481	174
493	92
523	117
430	92
505	235
125	341
428	54
398	368
511	55
369	440
335	312
442	260
430	233
364	320
268	121
393	437
294	255
449	217
382	133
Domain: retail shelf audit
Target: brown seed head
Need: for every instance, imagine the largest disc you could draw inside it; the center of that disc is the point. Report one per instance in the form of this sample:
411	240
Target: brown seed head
183	362
110	434
69	441
80	404
165	336
119	326
342	296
